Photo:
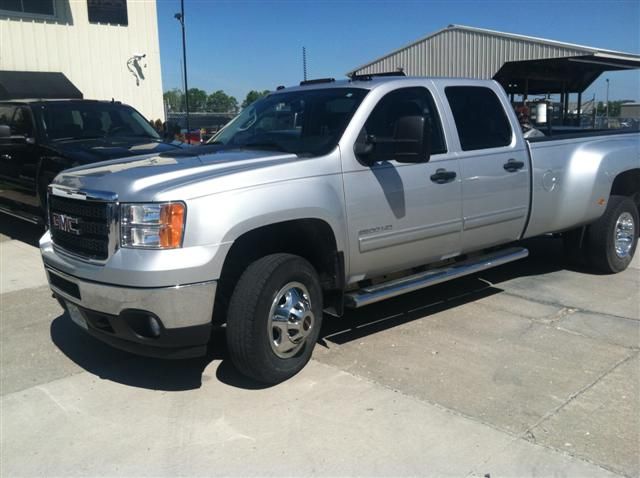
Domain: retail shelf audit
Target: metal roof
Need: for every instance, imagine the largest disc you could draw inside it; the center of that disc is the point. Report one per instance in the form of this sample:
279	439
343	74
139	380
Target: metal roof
462	51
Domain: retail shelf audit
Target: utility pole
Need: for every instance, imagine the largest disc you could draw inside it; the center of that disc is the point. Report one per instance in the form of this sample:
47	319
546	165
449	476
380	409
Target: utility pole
607	103
180	18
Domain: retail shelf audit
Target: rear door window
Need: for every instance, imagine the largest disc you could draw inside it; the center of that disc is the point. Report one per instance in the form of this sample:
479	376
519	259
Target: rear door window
480	118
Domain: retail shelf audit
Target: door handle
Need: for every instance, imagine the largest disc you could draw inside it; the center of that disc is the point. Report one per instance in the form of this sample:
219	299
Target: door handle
5	156
443	176
512	165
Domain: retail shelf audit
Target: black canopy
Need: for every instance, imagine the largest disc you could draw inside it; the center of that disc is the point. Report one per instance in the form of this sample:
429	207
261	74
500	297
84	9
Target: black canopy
36	84
557	75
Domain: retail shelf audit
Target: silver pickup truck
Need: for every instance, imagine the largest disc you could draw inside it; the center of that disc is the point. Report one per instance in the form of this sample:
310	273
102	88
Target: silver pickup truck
328	195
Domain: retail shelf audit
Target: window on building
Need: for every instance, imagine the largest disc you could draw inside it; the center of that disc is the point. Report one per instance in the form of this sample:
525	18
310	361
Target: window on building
108	11
38	7
479	116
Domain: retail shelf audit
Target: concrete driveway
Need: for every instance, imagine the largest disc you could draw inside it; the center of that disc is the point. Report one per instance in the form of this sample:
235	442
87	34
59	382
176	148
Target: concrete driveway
525	370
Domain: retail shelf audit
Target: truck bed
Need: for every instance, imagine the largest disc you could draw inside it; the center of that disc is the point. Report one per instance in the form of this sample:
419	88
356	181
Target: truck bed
572	176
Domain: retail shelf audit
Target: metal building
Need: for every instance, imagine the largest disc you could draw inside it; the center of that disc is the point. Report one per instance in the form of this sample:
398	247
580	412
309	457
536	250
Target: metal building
106	48
523	65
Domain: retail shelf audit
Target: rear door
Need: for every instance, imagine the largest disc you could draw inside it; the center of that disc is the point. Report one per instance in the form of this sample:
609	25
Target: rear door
494	165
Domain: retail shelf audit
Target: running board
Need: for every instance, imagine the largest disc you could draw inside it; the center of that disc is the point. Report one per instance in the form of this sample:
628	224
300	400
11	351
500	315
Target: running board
25	216
386	290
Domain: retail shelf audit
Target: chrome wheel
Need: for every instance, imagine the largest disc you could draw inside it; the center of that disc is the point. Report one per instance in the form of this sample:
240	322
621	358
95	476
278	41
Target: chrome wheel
291	320
624	234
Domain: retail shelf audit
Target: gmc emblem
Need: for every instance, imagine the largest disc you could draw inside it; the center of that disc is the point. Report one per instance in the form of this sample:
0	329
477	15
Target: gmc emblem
65	223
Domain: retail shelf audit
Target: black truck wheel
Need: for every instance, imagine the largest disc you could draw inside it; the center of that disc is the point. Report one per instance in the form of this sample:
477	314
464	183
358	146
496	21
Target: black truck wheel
613	238
274	318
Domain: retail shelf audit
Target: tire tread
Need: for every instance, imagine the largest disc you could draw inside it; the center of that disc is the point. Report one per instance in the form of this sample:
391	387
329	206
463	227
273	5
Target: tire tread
243	313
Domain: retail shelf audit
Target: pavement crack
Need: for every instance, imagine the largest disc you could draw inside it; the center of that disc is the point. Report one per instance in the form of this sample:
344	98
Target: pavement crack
576	394
561	306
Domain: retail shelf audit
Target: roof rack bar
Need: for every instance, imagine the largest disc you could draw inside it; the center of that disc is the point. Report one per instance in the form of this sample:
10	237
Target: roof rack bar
370	76
316	81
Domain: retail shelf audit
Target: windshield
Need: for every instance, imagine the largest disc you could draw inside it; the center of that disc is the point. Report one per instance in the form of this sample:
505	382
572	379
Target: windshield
92	119
307	123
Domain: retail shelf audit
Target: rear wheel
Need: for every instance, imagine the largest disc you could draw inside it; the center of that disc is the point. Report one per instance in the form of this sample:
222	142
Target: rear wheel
613	238
274	318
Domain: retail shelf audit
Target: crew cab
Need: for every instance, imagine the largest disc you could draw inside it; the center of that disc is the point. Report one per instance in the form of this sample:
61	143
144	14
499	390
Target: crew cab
327	195
40	138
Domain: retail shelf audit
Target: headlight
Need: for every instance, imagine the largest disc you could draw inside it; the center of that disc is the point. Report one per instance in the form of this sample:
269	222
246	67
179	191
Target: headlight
152	226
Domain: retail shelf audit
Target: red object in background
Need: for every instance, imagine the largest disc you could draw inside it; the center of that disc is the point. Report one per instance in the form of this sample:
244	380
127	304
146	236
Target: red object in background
192	137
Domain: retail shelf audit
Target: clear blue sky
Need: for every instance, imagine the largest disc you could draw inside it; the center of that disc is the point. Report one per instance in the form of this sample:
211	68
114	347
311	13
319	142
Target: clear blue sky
237	45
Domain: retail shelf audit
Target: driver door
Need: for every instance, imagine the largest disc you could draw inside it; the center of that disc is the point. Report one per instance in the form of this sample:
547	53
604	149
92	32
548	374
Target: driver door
402	215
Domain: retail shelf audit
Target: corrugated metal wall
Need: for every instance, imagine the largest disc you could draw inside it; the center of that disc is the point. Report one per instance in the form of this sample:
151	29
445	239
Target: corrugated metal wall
459	52
93	56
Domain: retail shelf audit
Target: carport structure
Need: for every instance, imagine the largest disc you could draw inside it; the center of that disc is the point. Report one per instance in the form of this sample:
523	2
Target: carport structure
522	64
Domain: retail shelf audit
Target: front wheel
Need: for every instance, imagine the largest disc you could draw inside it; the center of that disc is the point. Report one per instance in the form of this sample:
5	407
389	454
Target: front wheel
613	238
274	318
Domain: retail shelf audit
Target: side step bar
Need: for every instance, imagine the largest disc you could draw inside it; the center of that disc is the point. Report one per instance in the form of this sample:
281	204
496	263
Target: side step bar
386	290
25	216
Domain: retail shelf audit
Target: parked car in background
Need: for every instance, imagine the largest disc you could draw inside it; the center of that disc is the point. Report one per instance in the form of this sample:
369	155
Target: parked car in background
320	197
40	138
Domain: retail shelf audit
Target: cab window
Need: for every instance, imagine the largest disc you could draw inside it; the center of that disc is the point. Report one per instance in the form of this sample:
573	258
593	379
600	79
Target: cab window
415	101
18	119
480	118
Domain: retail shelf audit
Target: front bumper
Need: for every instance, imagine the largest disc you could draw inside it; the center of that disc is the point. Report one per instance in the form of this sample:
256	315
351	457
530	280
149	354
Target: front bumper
167	322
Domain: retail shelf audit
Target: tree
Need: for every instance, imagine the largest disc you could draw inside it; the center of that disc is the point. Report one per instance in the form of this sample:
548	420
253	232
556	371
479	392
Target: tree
197	99
220	102
614	108
174	99
254	96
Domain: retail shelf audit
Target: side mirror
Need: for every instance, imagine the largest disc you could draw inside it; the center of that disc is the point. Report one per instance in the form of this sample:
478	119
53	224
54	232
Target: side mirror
411	140
362	148
5	131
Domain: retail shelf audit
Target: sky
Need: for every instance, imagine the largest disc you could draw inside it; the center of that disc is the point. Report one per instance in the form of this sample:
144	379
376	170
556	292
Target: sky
242	45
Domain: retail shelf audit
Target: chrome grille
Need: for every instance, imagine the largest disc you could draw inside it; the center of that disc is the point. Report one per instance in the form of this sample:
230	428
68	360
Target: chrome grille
92	224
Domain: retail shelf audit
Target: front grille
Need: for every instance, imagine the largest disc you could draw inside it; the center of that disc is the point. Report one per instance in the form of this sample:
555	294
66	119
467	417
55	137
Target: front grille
91	224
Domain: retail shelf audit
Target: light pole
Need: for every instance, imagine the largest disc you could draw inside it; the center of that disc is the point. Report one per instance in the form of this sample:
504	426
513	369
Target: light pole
180	18
607	103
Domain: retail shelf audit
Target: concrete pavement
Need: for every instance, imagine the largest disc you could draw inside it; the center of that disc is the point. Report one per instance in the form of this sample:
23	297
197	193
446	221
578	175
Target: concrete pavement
527	370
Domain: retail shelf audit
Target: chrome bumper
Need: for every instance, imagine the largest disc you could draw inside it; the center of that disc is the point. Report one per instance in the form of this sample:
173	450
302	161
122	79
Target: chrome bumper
176	307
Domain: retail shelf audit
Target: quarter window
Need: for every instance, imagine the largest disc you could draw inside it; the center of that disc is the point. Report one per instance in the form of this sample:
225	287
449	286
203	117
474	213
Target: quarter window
479	116
38	7
113	12
415	101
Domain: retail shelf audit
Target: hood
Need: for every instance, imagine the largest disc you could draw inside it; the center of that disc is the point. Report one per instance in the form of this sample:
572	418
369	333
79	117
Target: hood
87	151
143	178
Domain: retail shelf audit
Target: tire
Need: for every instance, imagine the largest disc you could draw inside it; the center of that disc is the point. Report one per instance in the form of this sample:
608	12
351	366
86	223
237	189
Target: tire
613	238
280	286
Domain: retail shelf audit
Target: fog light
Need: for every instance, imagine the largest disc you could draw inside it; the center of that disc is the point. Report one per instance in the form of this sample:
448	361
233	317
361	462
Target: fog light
143	323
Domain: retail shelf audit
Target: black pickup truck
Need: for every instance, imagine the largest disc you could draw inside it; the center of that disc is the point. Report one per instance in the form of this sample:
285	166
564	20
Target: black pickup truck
40	138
